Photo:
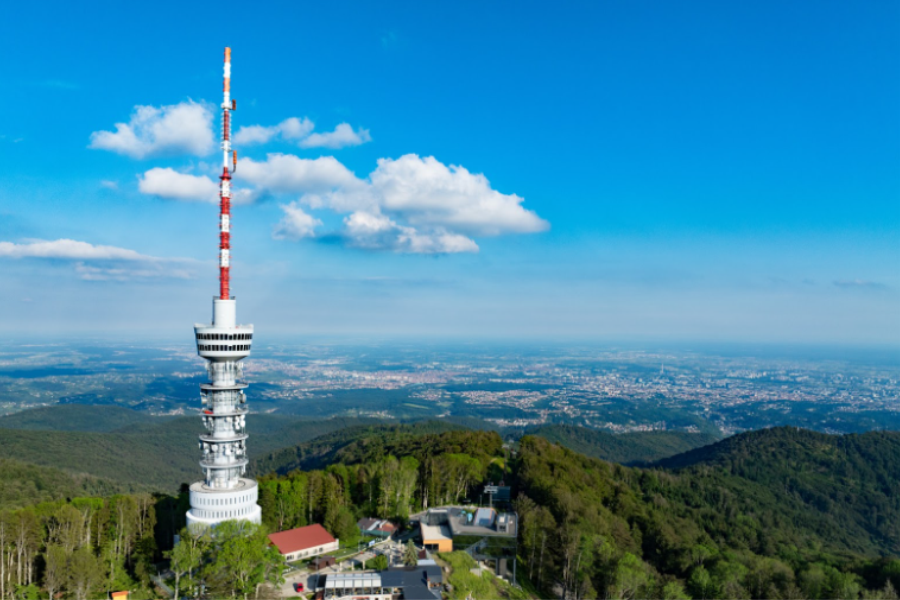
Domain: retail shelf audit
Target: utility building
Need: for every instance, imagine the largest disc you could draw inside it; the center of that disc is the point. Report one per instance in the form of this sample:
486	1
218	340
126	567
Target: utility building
304	542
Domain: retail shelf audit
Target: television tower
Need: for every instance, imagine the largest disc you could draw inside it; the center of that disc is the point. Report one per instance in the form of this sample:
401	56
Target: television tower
224	495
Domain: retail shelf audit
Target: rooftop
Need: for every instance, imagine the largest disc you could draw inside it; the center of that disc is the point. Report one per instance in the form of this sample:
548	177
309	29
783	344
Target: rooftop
469	521
301	538
352	580
370	524
435	532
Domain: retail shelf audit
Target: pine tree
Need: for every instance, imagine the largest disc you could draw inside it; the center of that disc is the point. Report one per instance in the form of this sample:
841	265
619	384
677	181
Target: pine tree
410	554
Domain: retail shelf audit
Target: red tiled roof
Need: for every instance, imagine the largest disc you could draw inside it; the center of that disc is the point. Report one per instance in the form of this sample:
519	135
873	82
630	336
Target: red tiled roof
301	538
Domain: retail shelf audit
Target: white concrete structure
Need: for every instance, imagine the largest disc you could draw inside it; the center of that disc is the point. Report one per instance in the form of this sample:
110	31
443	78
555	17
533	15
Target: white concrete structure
224	494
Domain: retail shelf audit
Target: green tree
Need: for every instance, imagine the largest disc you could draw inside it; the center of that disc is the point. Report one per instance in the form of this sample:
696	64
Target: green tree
185	558
813	581
842	586
700	584
729	577
242	559
410	554
673	590
891	571
379	563
55	559
85	573
631	577
345	528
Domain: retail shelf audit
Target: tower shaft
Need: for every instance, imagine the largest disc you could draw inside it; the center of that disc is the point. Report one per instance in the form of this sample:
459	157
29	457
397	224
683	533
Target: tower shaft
224	494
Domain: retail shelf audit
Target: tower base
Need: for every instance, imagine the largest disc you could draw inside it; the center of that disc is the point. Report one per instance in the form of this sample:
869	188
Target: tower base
211	506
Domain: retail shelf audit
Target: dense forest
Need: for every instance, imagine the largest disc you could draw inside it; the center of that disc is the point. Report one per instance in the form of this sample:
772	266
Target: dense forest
633	448
608	530
778	513
23	484
135	450
83	546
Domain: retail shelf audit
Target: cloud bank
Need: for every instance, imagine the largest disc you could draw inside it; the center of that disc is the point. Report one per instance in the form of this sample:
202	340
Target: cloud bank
289	129
301	131
411	204
98	262
184	128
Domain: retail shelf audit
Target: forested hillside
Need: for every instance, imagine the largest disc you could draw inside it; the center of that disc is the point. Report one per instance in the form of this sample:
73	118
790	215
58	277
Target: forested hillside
77	417
704	532
780	513
391	474
345	445
24	484
139	452
848	484
623	448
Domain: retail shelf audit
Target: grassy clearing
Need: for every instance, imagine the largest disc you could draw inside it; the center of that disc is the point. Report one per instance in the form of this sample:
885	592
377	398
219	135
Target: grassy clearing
467	584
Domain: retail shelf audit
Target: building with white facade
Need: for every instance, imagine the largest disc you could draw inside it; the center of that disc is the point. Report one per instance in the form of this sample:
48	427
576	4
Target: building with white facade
303	543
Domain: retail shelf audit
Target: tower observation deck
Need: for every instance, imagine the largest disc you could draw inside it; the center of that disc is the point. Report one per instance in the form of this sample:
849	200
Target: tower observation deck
224	494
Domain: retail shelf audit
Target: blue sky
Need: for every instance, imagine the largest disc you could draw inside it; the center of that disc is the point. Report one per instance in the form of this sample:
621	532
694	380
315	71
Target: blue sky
631	170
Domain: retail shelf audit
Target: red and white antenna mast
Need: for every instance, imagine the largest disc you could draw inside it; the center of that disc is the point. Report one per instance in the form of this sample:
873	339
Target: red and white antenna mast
225	186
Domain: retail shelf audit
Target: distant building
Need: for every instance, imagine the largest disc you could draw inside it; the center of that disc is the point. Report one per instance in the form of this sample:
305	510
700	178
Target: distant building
411	583
461	521
376	527
436	538
486	534
304	542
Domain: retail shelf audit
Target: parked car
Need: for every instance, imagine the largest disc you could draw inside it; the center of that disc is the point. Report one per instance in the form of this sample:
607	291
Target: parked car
298	587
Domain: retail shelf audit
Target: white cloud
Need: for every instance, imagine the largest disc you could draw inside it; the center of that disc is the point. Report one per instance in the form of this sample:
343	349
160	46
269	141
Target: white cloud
301	130
427	192
295	129
411	204
68	249
285	173
296	224
289	129
172	185
110	185
98	262
342	136
378	232
184	128
146	271
254	134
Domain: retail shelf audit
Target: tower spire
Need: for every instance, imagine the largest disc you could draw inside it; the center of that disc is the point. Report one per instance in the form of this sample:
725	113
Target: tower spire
225	185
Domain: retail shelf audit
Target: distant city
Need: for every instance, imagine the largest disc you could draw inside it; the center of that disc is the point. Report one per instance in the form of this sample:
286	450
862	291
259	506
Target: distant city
617	390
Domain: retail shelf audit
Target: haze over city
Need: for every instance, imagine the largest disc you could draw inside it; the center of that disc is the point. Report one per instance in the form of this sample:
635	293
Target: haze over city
698	171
